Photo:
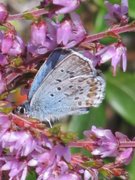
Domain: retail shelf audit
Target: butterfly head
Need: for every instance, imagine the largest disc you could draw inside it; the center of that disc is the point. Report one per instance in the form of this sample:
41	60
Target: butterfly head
22	109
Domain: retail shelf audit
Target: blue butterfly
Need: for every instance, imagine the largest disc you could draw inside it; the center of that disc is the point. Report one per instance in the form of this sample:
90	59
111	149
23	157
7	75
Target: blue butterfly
66	84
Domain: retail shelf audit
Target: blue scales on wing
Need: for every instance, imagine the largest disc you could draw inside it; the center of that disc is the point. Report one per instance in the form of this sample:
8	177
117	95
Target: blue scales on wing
55	57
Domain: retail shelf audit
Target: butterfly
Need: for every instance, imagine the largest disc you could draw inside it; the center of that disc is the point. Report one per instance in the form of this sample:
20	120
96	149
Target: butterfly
66	84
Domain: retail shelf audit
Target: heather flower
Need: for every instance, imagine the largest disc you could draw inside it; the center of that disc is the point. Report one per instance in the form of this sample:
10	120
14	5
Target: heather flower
3	60
43	38
2	84
21	150
64	32
67	6
106	142
4	124
120	55
117	13
92	174
125	156
115	52
3	13
11	44
17	47
7	42
70	33
16	168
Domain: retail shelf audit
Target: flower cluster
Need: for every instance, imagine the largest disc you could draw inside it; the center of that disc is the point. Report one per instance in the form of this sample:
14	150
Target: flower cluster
48	153
108	145
49	33
22	151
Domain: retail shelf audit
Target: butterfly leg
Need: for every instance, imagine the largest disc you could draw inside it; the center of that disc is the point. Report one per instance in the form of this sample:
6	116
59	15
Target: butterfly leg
49	122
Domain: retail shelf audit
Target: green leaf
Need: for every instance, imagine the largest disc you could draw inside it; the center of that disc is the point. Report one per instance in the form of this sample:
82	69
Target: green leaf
28	16
3	28
31	176
131	169
120	93
100	24
131	9
96	116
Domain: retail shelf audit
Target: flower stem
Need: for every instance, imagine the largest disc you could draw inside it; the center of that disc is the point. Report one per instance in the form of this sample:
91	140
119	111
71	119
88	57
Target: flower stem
35	12
111	32
129	144
82	143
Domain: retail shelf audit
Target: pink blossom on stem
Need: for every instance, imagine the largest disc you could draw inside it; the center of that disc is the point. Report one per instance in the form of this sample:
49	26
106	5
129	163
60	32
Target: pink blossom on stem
3	60
67	6
43	38
107	144
11	44
64	32
3	13
71	32
117	13
120	55
125	156
21	150
2	84
7	42
117	53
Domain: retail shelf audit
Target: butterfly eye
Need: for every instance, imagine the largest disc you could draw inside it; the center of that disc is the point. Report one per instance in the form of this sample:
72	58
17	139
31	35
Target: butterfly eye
19	110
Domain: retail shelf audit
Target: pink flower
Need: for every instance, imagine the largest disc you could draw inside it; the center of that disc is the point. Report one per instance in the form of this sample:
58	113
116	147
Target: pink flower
20	151
125	156
43	38
67	6
106	142
3	13
7	42
71	32
120	55
2	84
4	124
117	53
3	60
11	44
117	13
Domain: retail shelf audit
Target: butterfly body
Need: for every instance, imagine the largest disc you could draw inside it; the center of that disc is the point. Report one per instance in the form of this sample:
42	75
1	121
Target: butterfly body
66	84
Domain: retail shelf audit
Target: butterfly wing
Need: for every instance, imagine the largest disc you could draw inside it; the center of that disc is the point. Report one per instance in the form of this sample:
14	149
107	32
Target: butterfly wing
66	87
74	64
55	57
72	96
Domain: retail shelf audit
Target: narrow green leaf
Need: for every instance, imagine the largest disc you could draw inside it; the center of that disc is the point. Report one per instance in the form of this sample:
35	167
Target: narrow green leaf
31	176
120	93
131	8
131	169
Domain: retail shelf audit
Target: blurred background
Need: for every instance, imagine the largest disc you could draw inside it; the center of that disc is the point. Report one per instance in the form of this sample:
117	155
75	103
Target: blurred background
117	112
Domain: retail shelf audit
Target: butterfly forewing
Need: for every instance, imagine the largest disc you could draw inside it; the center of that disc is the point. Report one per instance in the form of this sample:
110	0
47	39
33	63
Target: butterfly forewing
55	57
71	66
